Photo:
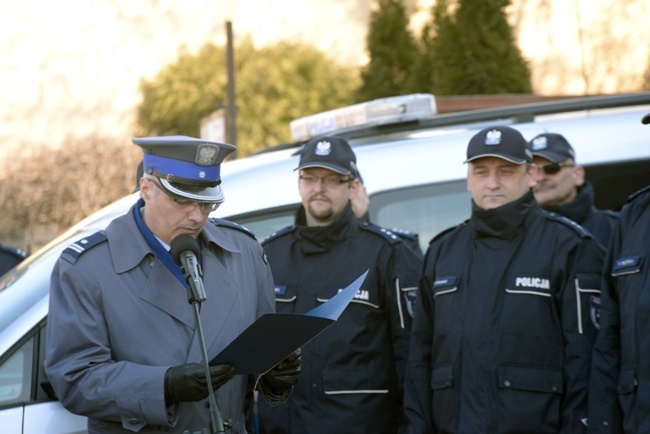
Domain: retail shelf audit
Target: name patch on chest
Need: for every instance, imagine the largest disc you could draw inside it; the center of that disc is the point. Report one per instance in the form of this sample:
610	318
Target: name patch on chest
361	294
532	282
626	265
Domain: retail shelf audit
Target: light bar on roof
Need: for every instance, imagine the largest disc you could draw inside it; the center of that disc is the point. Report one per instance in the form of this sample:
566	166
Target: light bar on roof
378	111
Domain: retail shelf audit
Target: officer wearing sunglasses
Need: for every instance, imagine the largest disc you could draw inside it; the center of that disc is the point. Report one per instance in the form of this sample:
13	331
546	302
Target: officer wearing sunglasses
562	187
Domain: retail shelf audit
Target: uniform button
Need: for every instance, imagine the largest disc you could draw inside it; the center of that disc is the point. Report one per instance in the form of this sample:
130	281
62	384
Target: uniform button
554	388
134	421
605	423
507	383
313	385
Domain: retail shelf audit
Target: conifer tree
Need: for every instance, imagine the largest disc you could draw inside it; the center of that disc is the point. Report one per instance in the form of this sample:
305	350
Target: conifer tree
392	50
474	50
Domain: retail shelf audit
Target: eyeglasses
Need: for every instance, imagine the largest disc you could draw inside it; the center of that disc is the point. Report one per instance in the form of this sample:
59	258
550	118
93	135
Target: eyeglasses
328	181
188	205
552	168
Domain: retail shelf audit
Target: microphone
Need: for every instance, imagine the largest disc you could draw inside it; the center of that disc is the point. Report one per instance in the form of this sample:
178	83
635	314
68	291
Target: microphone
185	252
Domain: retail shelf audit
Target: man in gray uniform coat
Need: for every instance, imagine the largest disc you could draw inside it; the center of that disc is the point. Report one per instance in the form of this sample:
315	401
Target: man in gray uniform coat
122	343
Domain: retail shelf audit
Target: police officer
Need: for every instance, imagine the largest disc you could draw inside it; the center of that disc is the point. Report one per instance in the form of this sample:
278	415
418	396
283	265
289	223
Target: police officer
122	343
503	323
352	373
619	394
562	187
10	257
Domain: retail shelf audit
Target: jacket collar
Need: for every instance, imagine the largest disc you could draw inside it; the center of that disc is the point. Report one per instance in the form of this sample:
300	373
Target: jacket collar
506	221
579	208
320	239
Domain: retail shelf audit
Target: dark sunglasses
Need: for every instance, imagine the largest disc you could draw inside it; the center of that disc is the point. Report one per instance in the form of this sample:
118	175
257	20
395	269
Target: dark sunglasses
552	168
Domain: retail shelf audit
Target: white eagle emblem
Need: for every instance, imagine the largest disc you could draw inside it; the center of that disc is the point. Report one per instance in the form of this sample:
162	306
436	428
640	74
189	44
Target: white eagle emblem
323	148
539	143
493	137
206	155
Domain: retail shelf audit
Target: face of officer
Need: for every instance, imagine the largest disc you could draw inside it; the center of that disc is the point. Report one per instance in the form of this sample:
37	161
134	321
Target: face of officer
325	194
557	184
494	182
166	216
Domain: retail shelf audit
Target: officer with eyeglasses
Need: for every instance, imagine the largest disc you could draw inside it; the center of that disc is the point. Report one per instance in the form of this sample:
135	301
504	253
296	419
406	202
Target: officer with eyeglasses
123	346
562	187
352	373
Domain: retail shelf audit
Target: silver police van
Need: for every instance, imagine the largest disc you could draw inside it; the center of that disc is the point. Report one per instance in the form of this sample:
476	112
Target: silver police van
411	162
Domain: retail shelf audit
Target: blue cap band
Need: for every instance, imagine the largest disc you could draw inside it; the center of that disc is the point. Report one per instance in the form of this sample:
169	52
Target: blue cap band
180	169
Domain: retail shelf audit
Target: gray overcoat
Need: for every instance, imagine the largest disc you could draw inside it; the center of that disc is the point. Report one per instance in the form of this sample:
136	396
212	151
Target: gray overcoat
119	319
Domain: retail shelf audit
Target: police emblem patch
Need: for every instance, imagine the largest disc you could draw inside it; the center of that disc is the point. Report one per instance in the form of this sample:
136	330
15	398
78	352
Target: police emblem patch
493	137
594	311
323	148
206	155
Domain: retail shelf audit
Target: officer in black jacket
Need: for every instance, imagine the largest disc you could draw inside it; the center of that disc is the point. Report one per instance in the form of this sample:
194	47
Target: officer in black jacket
10	257
562	187
352	374
505	316
619	394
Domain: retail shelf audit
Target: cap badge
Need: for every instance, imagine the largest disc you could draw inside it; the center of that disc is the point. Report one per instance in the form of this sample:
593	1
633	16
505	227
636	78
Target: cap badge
539	143
323	148
202	174
206	155
493	137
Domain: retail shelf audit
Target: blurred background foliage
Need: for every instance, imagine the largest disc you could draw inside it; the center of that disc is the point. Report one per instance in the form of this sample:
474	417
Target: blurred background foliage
466	48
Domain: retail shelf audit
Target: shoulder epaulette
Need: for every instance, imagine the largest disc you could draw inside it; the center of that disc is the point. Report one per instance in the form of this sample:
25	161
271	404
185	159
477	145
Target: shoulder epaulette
285	230
14	251
638	193
387	234
232	225
79	247
446	231
570	223
403	233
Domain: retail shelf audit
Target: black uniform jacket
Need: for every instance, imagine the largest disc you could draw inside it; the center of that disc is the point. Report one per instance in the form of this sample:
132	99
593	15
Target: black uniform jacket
504	324
352	373
619	396
582	211
10	257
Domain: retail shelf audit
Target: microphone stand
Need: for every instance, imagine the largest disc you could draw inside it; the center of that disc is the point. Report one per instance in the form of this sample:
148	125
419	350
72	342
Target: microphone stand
216	421
195	297
185	252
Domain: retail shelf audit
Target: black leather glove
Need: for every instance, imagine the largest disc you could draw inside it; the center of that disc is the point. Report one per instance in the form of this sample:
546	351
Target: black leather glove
187	382
285	374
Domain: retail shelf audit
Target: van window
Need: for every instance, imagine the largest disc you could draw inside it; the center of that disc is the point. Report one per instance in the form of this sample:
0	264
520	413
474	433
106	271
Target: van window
426	210
22	371
16	372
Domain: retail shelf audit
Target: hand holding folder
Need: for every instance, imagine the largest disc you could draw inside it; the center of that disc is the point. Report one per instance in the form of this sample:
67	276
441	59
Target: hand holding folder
274	336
